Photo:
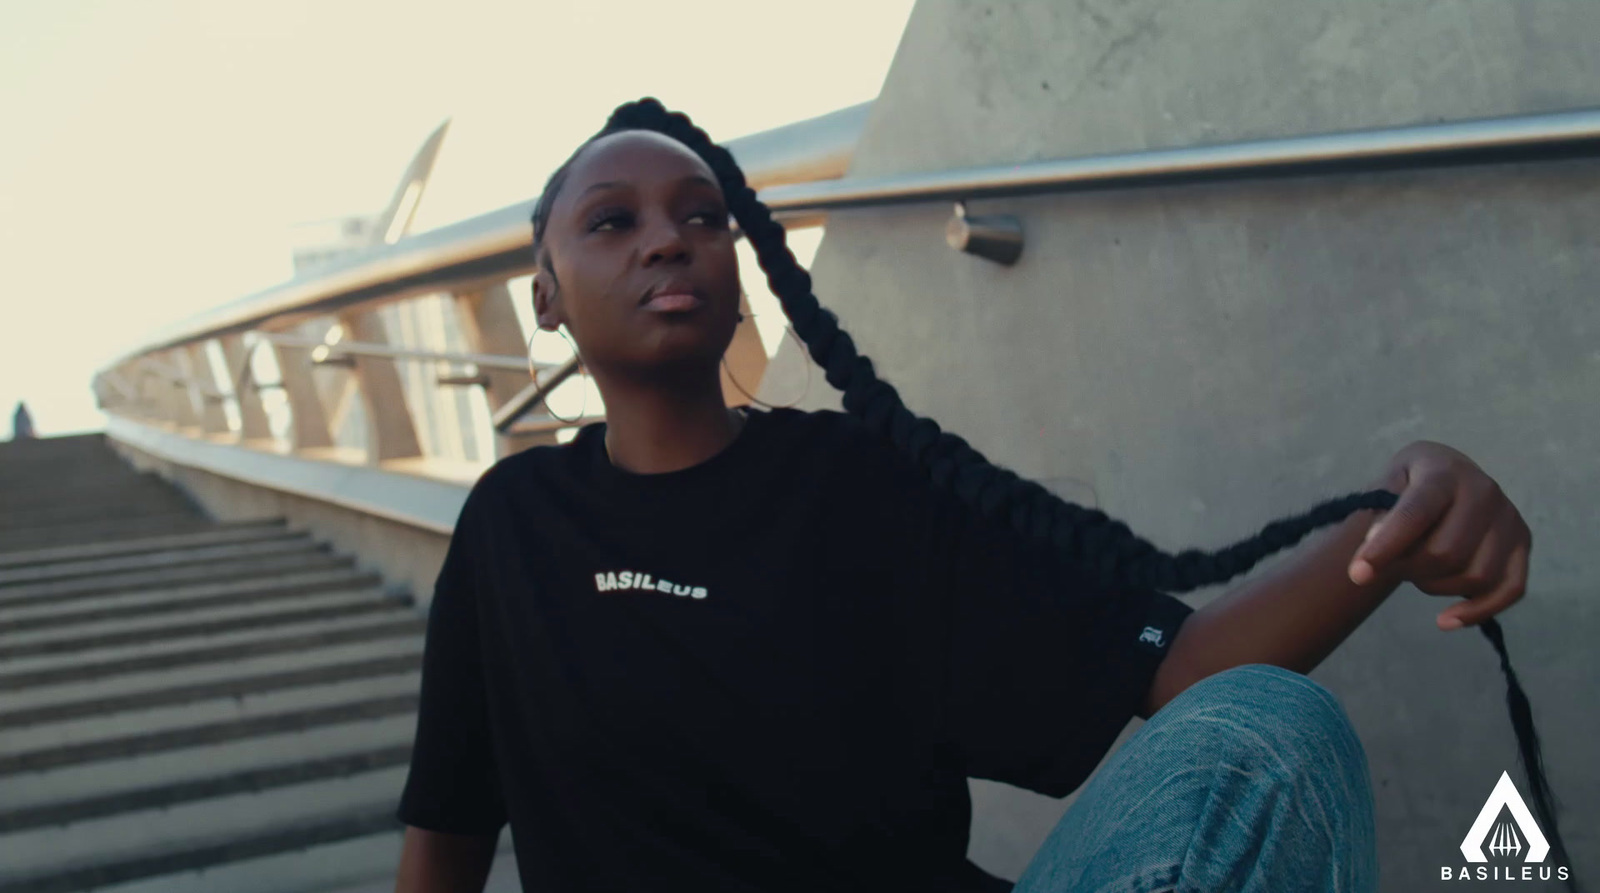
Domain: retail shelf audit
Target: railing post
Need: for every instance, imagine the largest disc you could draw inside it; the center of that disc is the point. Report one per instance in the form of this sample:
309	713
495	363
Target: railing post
490	325
308	422
130	399
152	389
253	426
336	383
106	395
391	433
138	397
203	387
179	402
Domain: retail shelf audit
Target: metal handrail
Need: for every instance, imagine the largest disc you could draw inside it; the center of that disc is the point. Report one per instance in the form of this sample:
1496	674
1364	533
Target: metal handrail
552	423
370	349
1512	138
494	244
174	377
493	247
507	415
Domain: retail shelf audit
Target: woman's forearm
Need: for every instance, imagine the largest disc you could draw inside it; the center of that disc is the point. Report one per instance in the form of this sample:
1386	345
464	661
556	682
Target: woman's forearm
431	862
1292	617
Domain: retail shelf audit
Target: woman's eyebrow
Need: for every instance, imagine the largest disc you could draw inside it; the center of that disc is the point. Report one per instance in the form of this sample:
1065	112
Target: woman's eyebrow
604	184
601	185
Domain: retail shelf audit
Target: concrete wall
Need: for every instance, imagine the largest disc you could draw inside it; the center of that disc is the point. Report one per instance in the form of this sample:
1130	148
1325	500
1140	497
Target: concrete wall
407	557
1207	359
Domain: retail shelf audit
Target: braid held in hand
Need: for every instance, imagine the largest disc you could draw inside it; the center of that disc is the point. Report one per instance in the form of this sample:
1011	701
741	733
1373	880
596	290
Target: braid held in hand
1111	554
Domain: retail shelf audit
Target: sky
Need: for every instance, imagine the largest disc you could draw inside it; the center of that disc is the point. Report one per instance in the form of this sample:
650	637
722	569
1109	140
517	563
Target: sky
158	155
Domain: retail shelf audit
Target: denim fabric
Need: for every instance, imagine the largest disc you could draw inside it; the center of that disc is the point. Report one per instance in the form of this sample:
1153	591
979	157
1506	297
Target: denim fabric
1251	780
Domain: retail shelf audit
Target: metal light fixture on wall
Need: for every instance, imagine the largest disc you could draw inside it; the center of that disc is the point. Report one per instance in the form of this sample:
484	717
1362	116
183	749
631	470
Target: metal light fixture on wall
996	237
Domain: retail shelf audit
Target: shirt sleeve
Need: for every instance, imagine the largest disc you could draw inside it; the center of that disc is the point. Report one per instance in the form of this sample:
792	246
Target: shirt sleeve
1042	670
453	785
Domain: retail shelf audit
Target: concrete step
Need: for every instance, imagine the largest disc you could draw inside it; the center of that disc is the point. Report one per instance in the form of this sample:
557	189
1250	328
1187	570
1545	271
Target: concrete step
127	608
101	531
154	559
218	708
229	532
84	489
201	823
190	706
207	667
503	877
59	444
136	581
28	492
200	660
179	643
201	737
226	616
97	510
346	731
15	454
196	790
90	465
26	476
229	689
303	858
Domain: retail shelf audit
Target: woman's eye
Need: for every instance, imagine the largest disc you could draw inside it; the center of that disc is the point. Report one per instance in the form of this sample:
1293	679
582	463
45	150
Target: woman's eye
612	220
608	218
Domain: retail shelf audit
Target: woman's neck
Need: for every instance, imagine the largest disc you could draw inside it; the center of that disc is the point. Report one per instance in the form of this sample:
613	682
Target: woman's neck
656	436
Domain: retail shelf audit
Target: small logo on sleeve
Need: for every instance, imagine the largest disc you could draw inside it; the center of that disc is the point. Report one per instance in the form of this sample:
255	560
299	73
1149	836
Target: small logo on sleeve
1153	636
611	581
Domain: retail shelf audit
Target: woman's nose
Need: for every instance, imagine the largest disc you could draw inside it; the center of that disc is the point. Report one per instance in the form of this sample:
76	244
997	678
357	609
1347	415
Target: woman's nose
663	241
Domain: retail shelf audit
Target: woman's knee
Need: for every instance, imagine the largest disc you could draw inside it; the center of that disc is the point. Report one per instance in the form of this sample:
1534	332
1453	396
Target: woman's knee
1268	707
1203	788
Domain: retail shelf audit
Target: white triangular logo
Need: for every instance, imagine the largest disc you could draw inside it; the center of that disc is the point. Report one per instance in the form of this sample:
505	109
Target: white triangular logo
1504	796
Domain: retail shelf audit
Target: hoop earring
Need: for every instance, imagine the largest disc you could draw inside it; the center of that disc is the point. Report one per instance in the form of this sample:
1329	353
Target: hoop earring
787	330
582	407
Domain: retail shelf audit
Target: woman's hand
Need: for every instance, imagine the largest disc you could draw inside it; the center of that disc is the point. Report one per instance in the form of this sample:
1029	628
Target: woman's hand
1453	532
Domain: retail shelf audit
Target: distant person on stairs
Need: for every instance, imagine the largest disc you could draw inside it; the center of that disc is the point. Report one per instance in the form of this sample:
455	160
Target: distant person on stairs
21	423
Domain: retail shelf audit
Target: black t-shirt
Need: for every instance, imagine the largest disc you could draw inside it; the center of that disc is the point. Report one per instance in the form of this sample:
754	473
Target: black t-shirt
771	671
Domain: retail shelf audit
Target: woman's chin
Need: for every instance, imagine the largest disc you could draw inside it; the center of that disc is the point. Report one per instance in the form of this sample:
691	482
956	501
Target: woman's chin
684	350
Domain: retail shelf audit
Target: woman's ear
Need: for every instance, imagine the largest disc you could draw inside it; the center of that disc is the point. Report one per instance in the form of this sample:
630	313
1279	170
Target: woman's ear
546	307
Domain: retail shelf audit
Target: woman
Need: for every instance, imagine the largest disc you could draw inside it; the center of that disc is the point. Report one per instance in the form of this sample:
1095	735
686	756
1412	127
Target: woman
703	648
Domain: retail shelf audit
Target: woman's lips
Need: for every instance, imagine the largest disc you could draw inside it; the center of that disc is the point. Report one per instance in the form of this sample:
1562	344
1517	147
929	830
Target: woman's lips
676	302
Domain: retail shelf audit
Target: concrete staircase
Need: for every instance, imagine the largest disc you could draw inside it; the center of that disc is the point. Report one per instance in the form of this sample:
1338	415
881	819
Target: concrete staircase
187	705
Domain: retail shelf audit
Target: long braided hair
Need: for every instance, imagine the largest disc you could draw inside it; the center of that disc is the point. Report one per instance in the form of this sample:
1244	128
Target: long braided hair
1110	553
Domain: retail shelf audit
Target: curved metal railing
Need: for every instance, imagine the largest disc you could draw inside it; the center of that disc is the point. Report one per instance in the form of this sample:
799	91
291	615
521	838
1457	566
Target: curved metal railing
172	378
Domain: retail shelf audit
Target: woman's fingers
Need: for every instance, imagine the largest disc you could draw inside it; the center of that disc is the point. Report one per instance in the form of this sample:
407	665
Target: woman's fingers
1401	528
1476	509
1513	584
1484	572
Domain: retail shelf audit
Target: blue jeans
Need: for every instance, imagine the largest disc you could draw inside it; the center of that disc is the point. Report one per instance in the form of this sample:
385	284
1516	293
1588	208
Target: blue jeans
1251	780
